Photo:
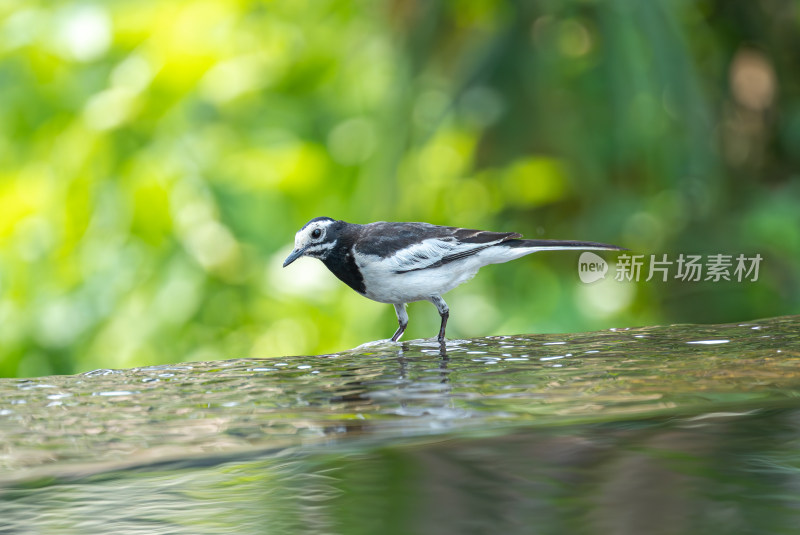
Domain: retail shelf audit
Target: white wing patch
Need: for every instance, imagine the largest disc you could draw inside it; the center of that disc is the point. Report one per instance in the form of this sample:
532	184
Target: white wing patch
431	252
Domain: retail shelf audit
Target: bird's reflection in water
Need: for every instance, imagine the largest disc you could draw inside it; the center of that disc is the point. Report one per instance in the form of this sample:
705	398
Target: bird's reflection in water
392	386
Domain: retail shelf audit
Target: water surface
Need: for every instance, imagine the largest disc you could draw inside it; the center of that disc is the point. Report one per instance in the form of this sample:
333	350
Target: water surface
677	429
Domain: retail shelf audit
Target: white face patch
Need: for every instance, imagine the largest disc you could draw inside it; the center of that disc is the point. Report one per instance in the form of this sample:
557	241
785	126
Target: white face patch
313	238
318	249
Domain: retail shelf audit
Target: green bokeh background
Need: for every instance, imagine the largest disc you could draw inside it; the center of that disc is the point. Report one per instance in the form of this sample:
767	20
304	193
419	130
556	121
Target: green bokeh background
157	157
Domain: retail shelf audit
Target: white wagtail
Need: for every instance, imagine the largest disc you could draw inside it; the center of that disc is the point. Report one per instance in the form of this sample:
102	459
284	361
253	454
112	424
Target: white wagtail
400	263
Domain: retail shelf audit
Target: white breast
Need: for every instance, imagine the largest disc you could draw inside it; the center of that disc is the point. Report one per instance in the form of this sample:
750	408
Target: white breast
387	286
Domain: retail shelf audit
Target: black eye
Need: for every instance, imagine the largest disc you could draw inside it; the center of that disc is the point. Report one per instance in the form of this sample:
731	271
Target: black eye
316	233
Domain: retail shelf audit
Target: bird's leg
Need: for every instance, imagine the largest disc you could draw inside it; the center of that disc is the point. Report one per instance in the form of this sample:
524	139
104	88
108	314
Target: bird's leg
444	312
402	319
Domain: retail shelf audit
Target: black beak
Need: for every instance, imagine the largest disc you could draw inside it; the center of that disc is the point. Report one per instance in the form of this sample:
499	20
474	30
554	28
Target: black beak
297	253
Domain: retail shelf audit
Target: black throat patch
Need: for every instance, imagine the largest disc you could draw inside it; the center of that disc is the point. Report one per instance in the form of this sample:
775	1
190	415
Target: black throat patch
341	262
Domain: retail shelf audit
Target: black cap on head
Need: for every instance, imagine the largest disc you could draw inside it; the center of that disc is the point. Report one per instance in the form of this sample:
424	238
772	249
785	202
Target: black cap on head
323	218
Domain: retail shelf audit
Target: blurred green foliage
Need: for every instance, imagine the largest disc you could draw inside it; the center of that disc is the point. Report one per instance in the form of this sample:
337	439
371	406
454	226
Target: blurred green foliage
157	157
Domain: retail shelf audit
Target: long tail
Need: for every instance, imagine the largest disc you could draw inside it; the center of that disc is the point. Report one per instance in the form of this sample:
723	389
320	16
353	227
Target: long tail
513	249
556	245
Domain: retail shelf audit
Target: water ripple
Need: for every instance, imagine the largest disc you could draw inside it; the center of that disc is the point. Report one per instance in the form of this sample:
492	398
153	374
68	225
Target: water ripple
386	389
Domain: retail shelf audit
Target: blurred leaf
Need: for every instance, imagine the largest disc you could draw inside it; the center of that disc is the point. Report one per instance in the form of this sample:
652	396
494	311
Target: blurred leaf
157	158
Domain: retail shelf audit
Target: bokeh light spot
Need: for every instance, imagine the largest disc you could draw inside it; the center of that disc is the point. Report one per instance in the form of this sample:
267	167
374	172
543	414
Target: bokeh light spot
83	32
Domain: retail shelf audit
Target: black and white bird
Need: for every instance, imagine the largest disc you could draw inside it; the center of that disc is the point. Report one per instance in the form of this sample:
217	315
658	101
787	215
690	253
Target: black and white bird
400	263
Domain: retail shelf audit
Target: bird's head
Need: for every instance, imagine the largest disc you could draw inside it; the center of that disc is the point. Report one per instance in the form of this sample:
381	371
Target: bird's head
316	239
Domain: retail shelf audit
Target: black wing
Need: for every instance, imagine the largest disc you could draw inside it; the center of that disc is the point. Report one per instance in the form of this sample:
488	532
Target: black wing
415	246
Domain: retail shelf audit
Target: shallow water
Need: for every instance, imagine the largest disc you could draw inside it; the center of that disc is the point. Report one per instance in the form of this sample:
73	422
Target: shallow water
679	429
